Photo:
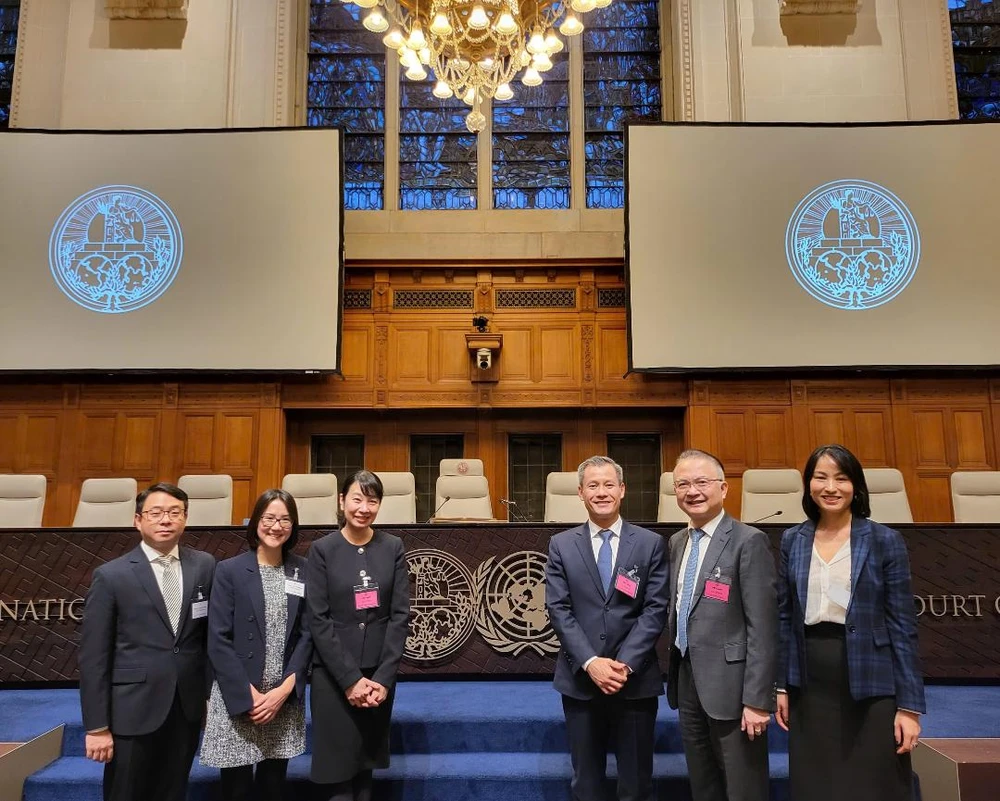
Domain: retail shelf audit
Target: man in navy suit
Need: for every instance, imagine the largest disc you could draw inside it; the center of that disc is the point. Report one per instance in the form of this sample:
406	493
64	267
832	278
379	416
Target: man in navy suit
606	595
143	669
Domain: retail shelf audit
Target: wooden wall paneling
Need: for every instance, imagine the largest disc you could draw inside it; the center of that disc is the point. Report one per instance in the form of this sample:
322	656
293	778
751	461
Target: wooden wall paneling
30	442
517	368
357	351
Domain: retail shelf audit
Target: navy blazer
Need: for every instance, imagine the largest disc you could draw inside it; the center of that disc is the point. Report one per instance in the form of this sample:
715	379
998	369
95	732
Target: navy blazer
588	623
881	619
238	630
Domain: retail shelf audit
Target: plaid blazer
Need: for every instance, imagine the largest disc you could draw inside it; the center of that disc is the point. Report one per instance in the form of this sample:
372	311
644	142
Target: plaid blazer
881	620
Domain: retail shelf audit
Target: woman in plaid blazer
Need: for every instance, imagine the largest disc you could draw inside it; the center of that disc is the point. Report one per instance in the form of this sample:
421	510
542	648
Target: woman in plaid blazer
851	692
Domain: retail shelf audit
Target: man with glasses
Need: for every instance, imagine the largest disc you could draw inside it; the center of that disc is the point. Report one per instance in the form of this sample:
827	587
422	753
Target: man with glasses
723	630
143	667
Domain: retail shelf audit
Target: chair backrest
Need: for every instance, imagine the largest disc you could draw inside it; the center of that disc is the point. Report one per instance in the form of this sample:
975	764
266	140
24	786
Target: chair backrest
399	498
562	498
975	495
667	511
887	494
461	467
315	497
22	500
766	492
210	499
467	497
106	503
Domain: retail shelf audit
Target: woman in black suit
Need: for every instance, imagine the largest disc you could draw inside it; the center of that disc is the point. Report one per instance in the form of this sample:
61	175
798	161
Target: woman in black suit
359	604
260	649
848	634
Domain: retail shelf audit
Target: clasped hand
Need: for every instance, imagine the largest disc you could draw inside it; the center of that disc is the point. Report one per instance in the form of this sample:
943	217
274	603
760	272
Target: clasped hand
267	705
365	693
609	675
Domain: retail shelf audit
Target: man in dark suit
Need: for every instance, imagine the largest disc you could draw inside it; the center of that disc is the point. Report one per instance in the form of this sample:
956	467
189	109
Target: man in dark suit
143	676
606	595
723	633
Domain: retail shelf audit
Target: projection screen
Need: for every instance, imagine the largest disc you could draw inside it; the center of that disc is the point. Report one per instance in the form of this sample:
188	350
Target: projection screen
762	246
210	250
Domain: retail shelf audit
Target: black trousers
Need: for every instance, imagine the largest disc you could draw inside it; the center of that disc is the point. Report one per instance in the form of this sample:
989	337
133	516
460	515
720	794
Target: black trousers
595	725
155	766
723	763
266	783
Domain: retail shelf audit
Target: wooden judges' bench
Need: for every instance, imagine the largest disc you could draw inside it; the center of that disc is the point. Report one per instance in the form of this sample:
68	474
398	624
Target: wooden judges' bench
478	603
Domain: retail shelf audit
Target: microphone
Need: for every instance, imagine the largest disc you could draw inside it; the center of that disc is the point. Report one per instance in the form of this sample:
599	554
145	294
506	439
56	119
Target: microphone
440	505
779	513
512	511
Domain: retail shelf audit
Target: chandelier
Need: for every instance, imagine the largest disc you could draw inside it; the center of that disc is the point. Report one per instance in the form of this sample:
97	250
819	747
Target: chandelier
476	48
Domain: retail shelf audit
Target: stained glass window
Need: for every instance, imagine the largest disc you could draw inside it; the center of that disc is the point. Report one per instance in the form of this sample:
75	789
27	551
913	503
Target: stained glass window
437	154
530	459
10	12
531	143
975	38
621	82
346	90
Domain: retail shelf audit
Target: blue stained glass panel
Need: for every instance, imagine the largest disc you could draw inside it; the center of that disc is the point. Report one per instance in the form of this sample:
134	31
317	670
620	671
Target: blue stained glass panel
621	83
346	90
975	38
10	14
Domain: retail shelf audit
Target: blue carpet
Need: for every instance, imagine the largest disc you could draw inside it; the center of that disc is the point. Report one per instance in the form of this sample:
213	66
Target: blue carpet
458	741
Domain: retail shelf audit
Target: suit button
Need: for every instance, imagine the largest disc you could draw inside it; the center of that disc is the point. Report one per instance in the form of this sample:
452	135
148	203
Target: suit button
250	635
361	625
250	619
607	608
604	636
250	655
177	650
851	629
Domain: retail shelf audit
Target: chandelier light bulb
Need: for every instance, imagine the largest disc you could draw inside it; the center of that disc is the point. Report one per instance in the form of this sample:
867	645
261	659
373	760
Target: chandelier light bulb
365	3
541	62
416	72
425	56
583	6
487	64
440	25
536	44
602	3
553	44
571	26
408	58
531	77
525	58
478	20
394	39
442	91
375	22
504	92
470	96
506	24
416	40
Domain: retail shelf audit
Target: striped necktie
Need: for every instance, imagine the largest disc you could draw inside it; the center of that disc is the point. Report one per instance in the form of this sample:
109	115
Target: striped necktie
687	591
171	589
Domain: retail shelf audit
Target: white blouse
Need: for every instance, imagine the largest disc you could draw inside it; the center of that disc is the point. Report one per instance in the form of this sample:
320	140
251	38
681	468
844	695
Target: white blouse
829	592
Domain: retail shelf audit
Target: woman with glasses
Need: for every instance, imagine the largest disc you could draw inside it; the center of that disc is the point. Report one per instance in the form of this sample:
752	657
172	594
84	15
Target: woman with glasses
260	648
850	689
359	605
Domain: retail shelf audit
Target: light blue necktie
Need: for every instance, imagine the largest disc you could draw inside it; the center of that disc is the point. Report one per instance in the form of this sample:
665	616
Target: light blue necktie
604	560
690	573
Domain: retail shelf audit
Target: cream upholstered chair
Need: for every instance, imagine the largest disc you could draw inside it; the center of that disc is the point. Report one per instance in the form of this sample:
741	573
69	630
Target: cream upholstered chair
768	492
210	499
22	500
461	467
562	498
315	497
667	511
463	497
106	503
975	496
887	494
399	498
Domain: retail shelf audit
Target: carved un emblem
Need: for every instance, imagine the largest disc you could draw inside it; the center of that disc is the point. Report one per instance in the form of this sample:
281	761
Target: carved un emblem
852	245
511	615
442	605
115	249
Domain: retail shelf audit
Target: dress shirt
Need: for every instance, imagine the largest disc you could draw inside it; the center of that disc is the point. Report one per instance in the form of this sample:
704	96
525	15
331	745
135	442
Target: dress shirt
823	575
595	543
708	530
152	555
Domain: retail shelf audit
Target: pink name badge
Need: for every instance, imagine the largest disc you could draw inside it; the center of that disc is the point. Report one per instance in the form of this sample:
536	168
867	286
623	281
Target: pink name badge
627	585
366	599
717	591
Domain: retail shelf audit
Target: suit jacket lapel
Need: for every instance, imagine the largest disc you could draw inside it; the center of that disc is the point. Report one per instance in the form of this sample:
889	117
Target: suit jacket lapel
675	573
716	543
587	554
293	603
256	591
626	543
800	559
189	582
860	546
143	571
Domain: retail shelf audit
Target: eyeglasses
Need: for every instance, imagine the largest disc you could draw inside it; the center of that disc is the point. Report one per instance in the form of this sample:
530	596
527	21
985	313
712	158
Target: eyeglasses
268	521
156	515
700	484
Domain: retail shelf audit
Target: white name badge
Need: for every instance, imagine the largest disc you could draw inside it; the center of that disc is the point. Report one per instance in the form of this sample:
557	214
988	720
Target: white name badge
199	609
293	587
841	596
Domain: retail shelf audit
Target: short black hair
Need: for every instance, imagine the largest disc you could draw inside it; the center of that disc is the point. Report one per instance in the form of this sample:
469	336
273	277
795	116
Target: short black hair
265	500
369	484
849	464
170	489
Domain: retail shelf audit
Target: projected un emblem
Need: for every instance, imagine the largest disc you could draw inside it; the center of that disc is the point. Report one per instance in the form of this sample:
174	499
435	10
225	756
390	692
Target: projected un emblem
852	245
115	249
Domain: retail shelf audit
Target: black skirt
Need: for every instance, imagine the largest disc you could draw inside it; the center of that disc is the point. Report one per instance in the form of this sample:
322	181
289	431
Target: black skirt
840	748
345	739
